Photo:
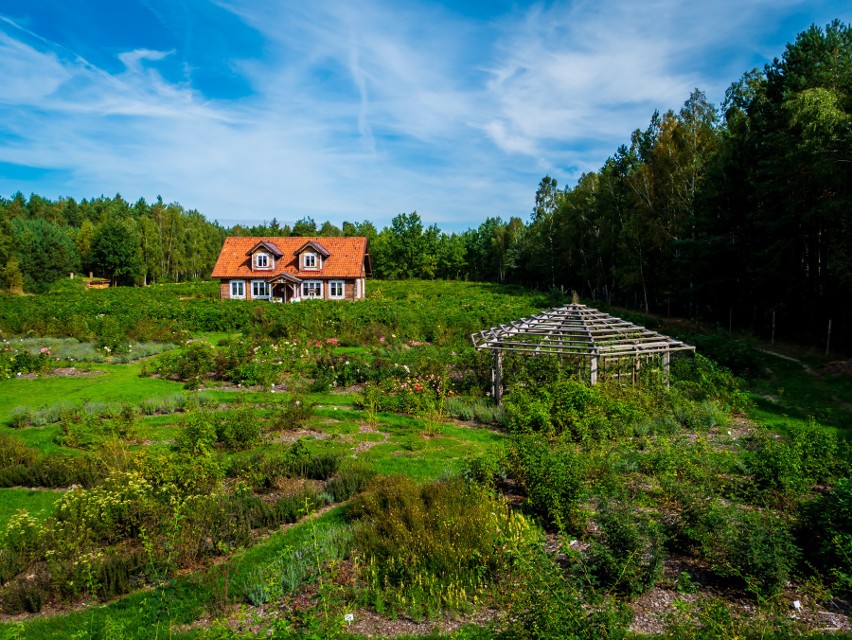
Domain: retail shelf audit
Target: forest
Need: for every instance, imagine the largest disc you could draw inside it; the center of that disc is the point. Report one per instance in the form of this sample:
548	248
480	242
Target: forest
737	214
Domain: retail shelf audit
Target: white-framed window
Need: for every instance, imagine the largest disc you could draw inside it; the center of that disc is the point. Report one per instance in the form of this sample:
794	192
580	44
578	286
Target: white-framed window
260	289
309	260
312	289
238	288
335	289
262	261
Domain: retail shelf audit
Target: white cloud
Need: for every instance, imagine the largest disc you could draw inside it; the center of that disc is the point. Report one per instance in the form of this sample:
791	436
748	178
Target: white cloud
367	110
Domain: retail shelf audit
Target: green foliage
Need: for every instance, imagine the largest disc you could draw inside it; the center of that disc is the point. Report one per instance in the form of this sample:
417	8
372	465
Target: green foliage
352	478
699	377
541	603
293	567
198	436
627	556
115	252
45	253
552	477
426	548
727	351
239	430
291	413
192	363
753	546
826	534
53	471
792	465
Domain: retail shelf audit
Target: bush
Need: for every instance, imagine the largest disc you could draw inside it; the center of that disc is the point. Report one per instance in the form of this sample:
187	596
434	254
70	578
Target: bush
54	471
792	465
14	453
291	413
302	463
572	409
198	435
627	557
700	378
239	430
487	469
192	363
541	603
552	478
352	478
426	548
119	572
26	594
753	546
826	534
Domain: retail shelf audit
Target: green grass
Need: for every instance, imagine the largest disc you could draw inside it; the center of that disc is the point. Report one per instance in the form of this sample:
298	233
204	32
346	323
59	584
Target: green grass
118	383
38	502
791	394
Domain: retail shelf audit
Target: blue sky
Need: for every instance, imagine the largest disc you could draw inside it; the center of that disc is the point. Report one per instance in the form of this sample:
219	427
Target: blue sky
252	109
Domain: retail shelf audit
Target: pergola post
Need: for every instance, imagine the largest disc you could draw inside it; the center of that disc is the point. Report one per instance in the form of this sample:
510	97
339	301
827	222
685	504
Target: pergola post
593	370
497	377
667	357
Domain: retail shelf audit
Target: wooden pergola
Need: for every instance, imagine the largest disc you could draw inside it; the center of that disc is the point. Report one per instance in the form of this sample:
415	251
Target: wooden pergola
602	342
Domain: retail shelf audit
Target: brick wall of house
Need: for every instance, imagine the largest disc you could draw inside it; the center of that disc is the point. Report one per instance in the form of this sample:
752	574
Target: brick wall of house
225	289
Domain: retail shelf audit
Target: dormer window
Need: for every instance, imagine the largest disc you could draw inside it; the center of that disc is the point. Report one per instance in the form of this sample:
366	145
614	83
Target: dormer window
262	261
309	260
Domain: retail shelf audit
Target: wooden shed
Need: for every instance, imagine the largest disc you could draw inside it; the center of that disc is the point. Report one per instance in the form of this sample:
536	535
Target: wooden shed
604	345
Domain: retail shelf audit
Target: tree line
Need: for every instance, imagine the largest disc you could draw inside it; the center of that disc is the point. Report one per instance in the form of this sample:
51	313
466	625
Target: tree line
738	213
42	241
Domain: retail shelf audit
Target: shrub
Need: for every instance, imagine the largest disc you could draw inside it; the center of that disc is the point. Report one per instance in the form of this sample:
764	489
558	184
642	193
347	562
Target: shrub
487	469
541	603
54	471
193	362
291	413
13	452
118	572
571	409
302	463
794	464
26	594
753	546
198	435
426	548
239	430
826	534
351	479
552	478
20	417
287	572
627	556
700	378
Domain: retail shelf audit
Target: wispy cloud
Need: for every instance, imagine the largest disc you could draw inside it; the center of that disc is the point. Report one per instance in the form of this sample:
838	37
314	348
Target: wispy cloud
363	111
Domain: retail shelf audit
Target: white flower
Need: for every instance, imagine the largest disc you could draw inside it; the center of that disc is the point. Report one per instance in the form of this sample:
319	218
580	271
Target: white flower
349	618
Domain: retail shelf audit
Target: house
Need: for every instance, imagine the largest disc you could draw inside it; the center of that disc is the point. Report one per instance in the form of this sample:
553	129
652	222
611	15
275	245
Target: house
292	269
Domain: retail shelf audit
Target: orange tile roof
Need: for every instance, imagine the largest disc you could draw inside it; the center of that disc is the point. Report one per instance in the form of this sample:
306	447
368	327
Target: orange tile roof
346	259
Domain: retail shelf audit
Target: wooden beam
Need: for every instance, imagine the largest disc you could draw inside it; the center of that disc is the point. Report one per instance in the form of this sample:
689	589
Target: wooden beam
497	377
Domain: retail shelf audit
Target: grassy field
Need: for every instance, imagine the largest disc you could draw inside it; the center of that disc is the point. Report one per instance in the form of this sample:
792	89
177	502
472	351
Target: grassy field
193	479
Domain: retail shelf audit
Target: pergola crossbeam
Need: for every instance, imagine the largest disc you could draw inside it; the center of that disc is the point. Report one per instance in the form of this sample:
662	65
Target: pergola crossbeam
578	331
